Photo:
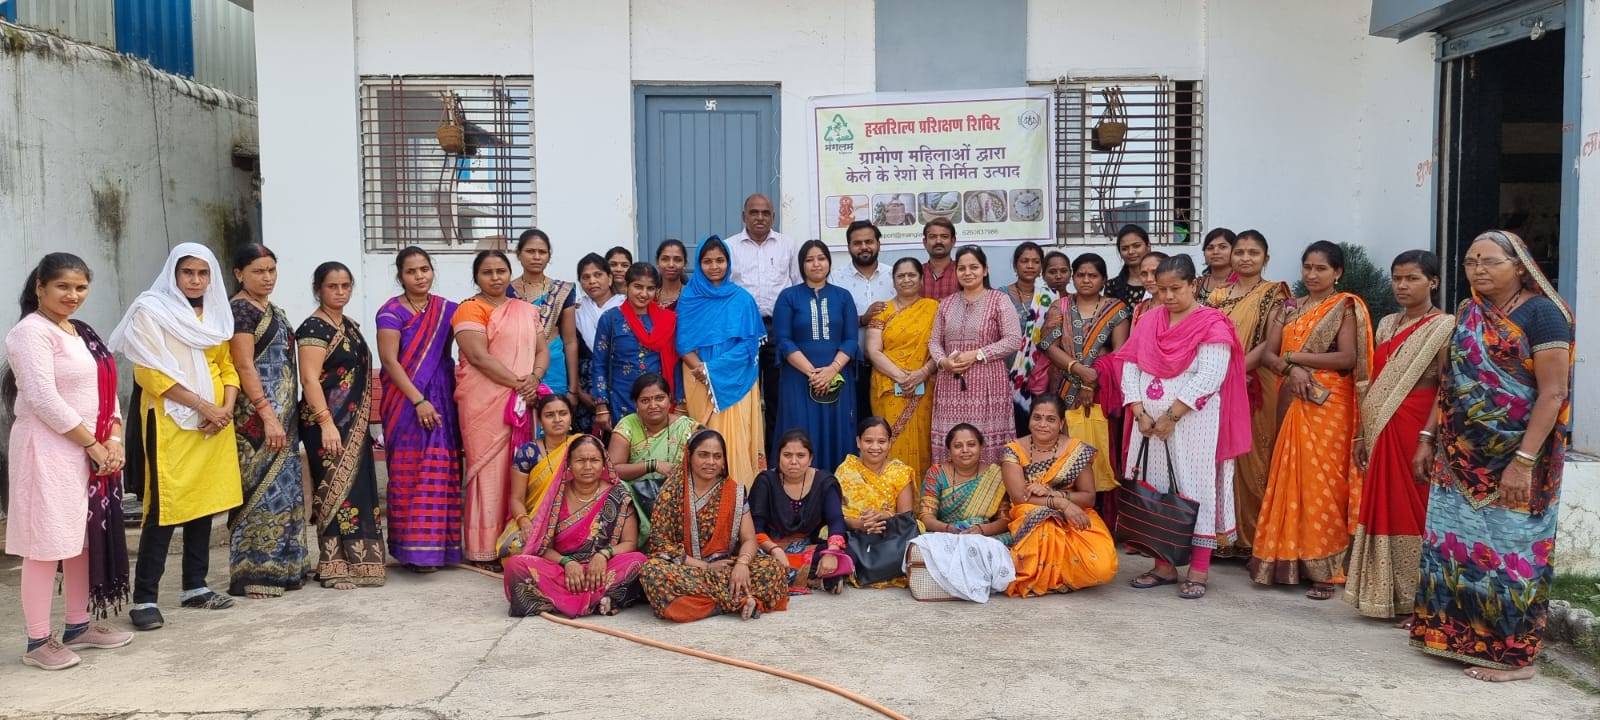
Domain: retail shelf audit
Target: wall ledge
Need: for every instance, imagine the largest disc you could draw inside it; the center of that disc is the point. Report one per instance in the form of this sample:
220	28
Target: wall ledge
19	40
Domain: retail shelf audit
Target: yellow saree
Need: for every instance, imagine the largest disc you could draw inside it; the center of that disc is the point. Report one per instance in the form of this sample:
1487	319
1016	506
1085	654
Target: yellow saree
510	542
905	343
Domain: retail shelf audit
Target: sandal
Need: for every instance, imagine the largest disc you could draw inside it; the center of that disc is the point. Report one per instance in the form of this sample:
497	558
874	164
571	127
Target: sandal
834	585
422	569
209	601
751	609
605	607
1322	591
1150	579
1191	590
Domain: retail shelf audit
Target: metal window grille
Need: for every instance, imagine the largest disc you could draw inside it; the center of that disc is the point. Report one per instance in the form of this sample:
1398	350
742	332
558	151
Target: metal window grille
414	192
1152	177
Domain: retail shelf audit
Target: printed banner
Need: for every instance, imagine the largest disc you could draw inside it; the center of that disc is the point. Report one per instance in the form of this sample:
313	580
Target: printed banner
980	159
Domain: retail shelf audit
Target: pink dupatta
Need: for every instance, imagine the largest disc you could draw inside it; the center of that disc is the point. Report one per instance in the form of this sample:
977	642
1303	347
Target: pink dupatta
1165	352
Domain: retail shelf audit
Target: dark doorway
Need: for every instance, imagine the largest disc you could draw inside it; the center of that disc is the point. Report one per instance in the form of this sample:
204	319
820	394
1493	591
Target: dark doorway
1500	154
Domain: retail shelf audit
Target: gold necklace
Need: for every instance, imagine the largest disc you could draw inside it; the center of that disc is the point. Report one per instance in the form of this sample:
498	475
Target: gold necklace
413	306
572	494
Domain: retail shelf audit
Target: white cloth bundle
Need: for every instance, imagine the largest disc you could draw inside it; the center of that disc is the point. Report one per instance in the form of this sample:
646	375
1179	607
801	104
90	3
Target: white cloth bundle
966	566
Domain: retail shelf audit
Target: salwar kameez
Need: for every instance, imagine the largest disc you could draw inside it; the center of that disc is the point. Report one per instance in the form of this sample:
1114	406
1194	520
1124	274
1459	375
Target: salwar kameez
267	551
344	482
982	395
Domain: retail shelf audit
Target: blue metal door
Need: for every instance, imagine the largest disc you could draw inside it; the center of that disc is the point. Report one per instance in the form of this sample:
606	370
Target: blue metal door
699	151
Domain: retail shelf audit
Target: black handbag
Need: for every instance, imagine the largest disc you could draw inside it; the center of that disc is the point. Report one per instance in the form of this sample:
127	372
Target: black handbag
881	556
1157	523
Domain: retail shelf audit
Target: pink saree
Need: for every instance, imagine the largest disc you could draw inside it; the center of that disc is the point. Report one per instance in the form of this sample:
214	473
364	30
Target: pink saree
490	497
535	585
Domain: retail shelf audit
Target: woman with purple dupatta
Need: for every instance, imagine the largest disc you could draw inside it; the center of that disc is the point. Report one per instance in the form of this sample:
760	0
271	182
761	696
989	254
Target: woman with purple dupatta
581	554
421	438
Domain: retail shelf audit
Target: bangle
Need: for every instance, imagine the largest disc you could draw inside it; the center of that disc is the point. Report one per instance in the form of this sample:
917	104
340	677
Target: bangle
835	542
1527	459
114	439
91	444
418	402
650	467
1425	435
742	561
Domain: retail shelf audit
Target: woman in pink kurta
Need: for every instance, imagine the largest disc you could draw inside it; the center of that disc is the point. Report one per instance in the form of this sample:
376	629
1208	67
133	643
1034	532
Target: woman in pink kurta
65	459
974	336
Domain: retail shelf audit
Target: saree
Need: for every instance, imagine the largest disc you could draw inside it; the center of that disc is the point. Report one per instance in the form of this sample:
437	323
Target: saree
345	486
865	490
534	585
1313	492
964	504
545	466
1049	554
1250	314
1486	565
424	489
705	527
490	496
266	549
556	298
905	342
1386	552
664	446
1088	341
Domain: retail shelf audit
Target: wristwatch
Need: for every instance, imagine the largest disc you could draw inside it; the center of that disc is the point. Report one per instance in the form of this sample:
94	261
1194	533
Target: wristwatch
982	357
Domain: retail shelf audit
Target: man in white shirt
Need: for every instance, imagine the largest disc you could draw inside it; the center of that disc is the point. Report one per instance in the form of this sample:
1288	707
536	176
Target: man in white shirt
871	285
764	262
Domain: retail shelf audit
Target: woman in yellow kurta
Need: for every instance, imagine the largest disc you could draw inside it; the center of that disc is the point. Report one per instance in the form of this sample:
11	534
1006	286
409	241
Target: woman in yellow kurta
1322	350
182	439
875	486
897	347
1058	542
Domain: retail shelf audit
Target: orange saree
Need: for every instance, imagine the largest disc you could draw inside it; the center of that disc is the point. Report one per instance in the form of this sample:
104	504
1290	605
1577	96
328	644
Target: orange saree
1313	488
491	497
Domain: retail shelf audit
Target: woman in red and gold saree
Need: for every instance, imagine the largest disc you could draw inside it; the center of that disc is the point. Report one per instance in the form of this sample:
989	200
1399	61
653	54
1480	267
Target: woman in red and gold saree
1058	542
503	361
703	552
582	553
1384	556
1502	428
1322	350
1250	302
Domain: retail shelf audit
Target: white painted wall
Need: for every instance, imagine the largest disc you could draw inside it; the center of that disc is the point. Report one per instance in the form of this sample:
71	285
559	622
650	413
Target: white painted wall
310	157
80	121
1586	395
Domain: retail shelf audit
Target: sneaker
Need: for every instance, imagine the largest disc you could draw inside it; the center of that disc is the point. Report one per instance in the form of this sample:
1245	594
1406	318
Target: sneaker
99	637
51	656
146	618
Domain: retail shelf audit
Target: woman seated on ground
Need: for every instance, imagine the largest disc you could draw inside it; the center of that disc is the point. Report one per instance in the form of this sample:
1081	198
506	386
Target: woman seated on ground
790	505
549	451
875	486
1058	543
963	513
647	445
703	552
961	495
582	551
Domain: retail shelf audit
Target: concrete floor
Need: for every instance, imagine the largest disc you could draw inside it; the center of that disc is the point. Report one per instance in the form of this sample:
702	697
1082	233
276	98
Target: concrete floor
441	646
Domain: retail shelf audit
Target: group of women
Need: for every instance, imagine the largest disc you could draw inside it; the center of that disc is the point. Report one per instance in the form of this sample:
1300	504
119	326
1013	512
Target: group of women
602	441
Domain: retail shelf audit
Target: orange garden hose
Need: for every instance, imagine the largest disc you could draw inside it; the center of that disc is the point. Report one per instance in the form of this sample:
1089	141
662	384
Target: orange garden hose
856	698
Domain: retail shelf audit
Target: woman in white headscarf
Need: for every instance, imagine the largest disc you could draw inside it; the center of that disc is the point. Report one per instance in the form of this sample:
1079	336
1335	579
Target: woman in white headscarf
181	439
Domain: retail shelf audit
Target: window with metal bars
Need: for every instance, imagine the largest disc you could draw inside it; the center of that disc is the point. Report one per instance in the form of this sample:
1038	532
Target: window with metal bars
445	161
1128	150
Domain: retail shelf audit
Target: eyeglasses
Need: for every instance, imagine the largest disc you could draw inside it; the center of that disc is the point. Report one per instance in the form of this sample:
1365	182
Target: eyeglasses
1487	263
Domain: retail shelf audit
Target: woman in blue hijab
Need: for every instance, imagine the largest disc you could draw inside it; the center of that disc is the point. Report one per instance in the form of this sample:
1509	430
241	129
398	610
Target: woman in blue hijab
719	334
